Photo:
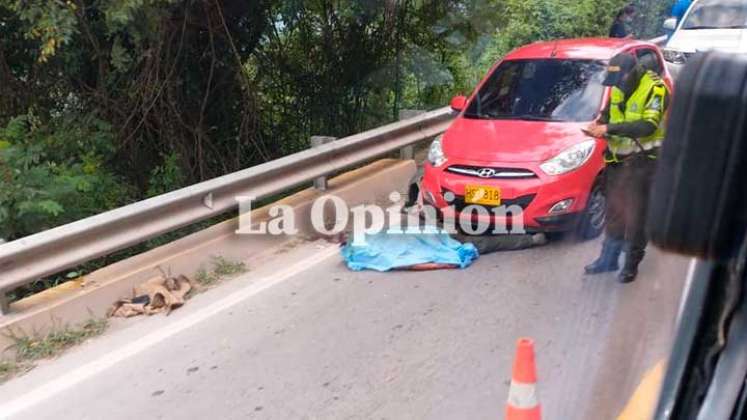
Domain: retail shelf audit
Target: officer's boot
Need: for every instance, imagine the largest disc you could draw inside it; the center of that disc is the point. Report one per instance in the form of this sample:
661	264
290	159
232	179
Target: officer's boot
608	258
629	272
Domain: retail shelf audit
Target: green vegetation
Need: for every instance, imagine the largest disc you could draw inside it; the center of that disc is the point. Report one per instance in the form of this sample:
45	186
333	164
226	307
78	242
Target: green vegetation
103	103
29	349
10	369
220	269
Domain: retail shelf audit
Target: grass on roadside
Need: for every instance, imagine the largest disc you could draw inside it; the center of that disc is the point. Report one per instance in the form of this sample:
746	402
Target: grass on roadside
10	369
220	268
29	349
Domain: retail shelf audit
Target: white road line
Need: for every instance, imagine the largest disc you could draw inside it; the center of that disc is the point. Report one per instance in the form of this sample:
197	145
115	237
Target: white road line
84	372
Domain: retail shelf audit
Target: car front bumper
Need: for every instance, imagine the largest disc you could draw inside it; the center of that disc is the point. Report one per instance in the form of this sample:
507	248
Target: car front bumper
526	203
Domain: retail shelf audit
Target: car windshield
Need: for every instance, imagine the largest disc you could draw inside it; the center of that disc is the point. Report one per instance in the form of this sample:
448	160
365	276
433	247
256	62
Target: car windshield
717	14
541	90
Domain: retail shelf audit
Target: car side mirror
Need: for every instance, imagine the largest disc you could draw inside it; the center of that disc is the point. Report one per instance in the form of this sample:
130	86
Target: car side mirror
670	24
458	103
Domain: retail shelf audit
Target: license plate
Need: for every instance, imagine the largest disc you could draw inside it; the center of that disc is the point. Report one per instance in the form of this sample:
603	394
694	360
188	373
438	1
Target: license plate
482	194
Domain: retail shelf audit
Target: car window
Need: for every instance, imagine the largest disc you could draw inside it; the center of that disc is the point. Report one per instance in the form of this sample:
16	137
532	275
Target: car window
542	89
717	14
649	60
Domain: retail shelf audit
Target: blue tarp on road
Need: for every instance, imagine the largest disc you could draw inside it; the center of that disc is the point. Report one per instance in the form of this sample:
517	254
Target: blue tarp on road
384	252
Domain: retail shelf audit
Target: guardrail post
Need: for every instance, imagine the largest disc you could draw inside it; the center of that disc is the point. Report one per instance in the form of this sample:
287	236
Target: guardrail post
320	183
408	152
4	303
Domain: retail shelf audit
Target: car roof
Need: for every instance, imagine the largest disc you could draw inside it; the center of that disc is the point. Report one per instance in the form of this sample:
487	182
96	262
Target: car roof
583	48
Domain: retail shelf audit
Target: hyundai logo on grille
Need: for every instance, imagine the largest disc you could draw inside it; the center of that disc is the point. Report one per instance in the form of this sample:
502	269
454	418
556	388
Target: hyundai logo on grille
486	173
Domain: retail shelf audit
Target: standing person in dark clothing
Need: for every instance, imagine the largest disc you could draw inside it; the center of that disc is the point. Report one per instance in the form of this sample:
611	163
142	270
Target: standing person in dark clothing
621	26
633	124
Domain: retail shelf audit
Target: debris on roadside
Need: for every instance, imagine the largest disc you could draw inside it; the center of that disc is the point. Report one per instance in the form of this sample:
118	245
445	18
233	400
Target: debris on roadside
152	297
405	251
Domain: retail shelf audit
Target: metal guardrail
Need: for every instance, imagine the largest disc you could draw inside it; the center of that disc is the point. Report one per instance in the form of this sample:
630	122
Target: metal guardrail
27	259
52	251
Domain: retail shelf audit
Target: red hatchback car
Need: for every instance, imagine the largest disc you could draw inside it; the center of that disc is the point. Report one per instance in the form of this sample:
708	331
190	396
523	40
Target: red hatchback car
518	140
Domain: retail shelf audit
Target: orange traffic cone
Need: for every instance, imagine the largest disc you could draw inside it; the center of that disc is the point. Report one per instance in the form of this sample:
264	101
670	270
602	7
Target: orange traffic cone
523	403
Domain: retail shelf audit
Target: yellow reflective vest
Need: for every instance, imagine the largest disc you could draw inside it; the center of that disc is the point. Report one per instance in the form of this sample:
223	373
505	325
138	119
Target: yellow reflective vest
647	103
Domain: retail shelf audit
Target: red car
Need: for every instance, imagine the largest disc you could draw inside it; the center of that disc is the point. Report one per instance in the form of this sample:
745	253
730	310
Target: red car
518	140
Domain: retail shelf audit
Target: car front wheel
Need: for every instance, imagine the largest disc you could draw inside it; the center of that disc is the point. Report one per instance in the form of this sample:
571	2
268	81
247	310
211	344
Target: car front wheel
592	221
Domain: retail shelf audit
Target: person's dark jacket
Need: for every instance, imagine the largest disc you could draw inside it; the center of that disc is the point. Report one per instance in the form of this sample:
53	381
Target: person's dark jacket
618	29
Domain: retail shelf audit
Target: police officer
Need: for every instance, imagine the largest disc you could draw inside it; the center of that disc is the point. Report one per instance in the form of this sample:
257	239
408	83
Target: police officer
633	124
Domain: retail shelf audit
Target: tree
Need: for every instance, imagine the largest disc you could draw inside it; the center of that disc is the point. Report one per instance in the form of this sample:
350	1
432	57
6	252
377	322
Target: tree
168	75
184	90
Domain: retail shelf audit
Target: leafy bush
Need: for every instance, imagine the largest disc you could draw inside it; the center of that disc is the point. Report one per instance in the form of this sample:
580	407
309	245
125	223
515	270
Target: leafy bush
166	177
535	20
54	174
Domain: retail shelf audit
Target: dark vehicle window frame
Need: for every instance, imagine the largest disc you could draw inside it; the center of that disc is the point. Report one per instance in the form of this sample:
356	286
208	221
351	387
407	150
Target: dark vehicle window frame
482	102
731	14
642	52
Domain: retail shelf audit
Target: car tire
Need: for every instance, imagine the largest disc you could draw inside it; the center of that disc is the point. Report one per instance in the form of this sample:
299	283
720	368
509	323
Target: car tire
593	219
699	197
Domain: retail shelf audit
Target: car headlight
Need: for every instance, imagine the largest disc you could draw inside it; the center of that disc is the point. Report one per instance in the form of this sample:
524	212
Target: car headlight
436	154
569	159
674	56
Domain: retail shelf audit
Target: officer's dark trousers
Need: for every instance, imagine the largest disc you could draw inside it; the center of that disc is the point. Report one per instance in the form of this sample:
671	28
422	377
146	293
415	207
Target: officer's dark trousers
628	187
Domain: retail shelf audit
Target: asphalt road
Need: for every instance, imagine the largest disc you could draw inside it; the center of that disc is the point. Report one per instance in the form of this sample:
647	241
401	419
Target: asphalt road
308	339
